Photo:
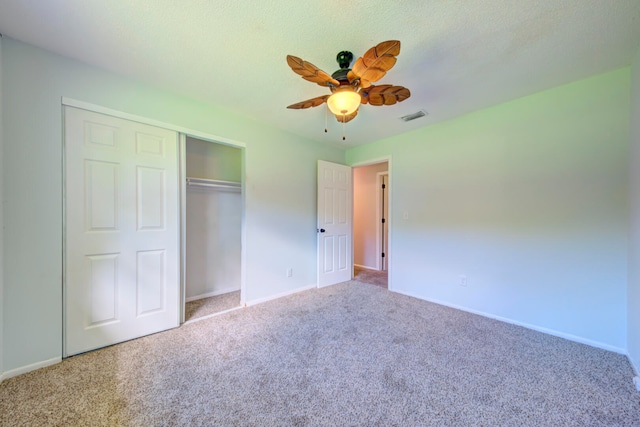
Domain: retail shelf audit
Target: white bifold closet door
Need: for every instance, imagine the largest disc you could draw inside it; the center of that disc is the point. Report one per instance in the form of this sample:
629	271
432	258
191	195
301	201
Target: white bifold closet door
122	230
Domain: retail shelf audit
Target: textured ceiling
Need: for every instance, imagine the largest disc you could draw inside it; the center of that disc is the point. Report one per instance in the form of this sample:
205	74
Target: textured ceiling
457	55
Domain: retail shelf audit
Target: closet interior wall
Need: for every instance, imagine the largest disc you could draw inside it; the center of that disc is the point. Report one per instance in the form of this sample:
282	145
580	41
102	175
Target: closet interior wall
213	219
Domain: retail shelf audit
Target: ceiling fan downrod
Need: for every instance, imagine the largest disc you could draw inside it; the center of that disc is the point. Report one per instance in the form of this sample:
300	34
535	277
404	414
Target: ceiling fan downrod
344	59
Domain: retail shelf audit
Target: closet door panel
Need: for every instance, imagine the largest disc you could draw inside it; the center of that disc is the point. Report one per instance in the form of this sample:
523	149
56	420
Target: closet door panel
150	198
122	229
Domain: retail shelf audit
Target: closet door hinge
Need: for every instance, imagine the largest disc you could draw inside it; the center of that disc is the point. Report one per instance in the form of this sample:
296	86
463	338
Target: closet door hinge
384	186
382	254
384	220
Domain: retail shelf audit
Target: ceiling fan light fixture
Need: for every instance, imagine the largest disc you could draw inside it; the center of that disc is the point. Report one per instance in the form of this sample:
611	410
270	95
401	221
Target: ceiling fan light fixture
344	102
351	87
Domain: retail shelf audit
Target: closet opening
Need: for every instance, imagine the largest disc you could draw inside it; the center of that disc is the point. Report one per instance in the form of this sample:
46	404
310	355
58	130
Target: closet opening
212	222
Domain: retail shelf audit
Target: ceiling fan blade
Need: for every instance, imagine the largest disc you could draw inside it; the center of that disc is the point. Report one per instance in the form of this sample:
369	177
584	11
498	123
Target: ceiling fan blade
347	118
313	102
384	94
375	63
310	72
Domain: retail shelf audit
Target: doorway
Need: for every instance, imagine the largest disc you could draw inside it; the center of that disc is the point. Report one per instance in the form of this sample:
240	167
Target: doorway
212	228
370	207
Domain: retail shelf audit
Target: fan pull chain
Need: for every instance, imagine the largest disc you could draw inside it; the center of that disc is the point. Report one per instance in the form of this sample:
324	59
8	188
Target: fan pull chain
343	126
326	114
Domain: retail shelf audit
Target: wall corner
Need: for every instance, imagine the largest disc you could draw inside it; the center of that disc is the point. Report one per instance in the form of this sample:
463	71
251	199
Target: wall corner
1	227
633	280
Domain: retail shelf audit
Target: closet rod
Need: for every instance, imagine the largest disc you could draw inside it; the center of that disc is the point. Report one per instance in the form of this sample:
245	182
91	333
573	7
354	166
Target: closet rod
213	183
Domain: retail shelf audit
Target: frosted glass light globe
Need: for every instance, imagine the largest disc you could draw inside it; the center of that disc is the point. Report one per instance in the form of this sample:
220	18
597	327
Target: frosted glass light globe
344	102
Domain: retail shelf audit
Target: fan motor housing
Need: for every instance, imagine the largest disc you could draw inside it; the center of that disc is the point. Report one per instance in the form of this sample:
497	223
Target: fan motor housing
341	75
344	59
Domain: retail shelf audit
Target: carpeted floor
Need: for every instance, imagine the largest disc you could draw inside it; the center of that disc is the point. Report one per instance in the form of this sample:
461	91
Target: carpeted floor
372	277
350	354
206	306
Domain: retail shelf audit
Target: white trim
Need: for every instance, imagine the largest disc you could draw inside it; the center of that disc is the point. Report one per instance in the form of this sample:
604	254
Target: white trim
547	331
211	294
364	267
133	117
636	370
182	187
280	295
63	156
243	227
32	367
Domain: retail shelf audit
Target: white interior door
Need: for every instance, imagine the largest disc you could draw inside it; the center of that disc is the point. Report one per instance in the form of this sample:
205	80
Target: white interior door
122	230
335	223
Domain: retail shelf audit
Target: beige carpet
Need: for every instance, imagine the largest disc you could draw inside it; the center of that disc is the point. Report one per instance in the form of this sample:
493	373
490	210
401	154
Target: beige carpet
372	277
206	306
350	354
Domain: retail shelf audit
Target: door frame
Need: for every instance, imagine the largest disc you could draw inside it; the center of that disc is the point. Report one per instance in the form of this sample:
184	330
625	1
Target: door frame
373	161
183	213
183	132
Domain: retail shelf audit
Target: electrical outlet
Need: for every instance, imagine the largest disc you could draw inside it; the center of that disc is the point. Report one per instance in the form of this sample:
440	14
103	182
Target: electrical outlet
289	272
463	280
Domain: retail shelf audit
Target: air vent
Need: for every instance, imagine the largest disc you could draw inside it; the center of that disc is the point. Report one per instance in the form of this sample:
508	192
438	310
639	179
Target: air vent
414	116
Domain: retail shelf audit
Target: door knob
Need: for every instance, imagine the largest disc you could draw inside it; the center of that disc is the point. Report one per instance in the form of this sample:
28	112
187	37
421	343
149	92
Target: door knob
322	230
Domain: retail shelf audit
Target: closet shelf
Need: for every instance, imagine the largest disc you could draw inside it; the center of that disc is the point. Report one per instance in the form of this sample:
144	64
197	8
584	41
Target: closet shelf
213	184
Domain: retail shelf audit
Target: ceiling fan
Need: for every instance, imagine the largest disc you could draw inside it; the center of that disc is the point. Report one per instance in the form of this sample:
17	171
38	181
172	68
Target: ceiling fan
351	87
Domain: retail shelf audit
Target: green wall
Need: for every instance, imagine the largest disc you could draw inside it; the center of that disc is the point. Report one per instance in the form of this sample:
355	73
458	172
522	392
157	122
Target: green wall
280	180
527	199
213	161
633	296
1	229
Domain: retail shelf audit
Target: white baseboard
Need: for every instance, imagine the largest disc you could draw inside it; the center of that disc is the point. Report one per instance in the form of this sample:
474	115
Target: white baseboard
364	267
211	294
28	368
280	295
636	369
553	332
